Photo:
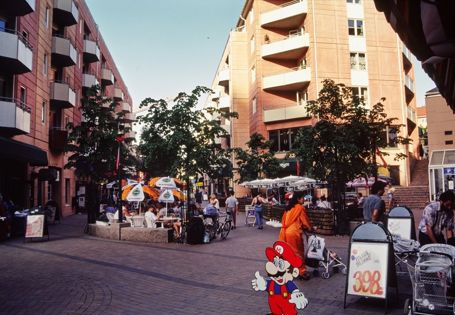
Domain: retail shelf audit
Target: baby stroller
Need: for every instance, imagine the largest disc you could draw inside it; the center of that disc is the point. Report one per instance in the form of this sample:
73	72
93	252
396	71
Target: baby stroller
319	256
433	281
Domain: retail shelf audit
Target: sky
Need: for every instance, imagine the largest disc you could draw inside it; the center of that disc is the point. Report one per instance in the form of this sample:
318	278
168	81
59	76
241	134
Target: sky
163	47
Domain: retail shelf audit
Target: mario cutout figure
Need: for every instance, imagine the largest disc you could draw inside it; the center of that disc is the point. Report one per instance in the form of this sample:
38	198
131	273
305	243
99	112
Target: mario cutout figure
282	267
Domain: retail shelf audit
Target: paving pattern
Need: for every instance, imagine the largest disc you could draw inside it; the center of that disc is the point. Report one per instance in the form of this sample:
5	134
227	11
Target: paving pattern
77	274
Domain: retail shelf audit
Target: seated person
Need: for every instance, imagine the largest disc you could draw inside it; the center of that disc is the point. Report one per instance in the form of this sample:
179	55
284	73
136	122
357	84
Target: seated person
150	217
177	226
161	208
323	203
126	213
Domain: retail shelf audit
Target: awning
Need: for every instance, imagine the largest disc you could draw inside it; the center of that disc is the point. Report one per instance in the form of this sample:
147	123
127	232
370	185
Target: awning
19	151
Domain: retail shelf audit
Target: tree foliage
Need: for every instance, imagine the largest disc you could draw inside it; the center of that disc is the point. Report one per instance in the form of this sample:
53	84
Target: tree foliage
256	161
180	139
94	142
343	143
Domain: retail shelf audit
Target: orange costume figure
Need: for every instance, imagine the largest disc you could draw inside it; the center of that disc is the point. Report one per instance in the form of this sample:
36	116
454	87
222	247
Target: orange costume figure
294	221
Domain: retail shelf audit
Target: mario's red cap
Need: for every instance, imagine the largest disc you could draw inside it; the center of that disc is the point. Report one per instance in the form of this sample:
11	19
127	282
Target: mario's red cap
285	251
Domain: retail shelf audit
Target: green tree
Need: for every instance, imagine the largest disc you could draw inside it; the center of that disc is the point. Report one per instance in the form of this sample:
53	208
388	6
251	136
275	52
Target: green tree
94	142
346	138
257	160
179	139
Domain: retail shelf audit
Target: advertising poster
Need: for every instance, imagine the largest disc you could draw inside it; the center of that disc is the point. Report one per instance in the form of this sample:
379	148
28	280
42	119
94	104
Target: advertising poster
399	226
35	226
368	269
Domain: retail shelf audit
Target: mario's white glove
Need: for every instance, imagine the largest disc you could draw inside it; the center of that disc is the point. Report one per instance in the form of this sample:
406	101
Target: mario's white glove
299	299
258	283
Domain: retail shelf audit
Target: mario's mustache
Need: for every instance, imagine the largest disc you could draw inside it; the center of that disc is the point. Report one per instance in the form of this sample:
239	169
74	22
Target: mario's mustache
277	274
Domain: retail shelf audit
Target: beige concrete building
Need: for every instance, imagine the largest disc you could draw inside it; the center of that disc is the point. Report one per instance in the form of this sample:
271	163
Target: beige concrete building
441	143
280	51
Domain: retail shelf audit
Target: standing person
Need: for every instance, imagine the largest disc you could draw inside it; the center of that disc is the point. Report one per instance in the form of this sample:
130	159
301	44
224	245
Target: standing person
294	221
232	205
437	217
258	204
374	206
198	197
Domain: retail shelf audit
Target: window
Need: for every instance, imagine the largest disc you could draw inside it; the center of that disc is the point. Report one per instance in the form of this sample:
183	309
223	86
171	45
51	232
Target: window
43	112
282	139
358	61
45	64
67	191
449	142
302	97
391	134
254	105
253	74
46	17
360	92
353	1
23	95
448	132
355	27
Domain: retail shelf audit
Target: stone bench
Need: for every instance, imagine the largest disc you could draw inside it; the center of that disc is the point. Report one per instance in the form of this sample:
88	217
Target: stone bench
111	232
147	235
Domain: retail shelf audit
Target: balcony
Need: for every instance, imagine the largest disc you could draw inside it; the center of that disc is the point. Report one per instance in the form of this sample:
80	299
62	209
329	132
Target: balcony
285	113
223	77
289	15
57	139
16	55
130	135
14	117
63	52
411	115
17	7
216	95
409	84
224	103
89	80
107	77
407	60
127	117
91	51
293	80
293	47
65	12
61	95
118	94
126	107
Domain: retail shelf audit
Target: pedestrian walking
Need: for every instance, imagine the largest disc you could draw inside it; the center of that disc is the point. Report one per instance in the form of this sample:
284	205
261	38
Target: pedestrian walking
294	221
374	206
232	205
258	204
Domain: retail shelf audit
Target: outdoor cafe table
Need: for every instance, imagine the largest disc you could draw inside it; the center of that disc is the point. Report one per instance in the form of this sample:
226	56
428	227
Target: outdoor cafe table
167	220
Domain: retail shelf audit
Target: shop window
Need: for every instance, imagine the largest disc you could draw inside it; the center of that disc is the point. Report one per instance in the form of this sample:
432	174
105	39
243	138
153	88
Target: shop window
449	157
436	158
284	140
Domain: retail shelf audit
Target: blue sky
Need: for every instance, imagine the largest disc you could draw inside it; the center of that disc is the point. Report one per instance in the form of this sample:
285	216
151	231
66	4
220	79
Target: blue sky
162	47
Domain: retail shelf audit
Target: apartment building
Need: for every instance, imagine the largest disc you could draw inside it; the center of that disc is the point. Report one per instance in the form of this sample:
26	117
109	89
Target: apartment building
51	51
441	143
278	54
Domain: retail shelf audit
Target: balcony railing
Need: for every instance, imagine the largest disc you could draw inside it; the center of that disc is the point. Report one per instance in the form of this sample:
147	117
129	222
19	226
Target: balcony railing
292	47
409	83
14	116
293	80
223	77
65	12
285	113
57	139
62	95
91	51
107	77
63	52
89	80
118	94
406	52
288	15
16	55
17	7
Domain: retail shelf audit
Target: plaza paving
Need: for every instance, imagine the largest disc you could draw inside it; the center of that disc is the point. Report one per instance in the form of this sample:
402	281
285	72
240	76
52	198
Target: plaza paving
74	273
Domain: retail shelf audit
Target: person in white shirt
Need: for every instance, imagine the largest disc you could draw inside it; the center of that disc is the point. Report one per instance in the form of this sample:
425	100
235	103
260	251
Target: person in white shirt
323	203
232	205
151	217
214	201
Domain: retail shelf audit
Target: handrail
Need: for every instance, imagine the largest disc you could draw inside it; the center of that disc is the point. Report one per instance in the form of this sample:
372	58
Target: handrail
64	37
287	70
296	34
20	36
18	103
282	106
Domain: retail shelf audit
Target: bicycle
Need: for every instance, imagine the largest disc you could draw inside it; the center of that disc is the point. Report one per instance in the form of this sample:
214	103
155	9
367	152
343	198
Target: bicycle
215	227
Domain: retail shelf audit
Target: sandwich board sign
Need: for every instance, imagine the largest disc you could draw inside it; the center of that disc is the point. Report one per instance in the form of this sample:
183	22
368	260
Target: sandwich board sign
371	265
36	226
